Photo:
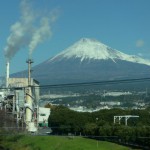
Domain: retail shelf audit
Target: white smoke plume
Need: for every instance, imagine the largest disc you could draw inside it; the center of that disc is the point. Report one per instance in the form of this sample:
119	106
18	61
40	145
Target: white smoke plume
40	34
43	32
20	31
26	33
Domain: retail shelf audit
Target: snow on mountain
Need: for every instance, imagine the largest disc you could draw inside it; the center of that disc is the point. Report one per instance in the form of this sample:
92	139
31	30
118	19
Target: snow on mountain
89	61
93	49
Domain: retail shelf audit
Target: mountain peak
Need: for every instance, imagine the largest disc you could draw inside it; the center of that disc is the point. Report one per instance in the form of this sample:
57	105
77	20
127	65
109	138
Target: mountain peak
91	49
86	48
88	40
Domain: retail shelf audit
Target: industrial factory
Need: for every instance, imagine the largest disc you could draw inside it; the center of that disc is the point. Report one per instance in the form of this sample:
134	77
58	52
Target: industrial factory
20	98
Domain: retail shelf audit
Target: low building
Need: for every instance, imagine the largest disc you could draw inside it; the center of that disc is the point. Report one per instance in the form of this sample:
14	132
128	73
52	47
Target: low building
2	95
43	116
111	103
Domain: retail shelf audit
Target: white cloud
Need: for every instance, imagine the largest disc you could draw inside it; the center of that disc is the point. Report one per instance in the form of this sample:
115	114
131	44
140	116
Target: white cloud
140	43
140	54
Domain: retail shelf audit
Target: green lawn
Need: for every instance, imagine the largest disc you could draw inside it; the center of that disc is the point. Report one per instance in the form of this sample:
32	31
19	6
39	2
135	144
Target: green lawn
56	143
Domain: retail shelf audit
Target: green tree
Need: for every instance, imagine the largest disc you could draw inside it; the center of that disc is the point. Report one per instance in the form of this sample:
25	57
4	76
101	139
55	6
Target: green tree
91	129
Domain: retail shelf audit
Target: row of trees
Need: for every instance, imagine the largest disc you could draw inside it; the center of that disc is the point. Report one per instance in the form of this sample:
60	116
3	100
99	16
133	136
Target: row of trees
100	124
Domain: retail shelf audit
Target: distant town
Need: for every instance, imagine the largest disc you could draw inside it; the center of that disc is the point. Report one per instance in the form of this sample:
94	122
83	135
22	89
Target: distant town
98	100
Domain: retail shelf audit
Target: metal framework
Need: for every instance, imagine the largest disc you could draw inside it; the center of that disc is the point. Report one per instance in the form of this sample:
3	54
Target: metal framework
126	118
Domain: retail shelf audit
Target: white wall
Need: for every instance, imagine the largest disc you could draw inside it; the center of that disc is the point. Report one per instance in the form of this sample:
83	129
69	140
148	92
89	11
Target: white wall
43	114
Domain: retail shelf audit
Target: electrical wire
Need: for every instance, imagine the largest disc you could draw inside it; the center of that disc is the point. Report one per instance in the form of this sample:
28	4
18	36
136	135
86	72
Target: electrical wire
105	82
108	82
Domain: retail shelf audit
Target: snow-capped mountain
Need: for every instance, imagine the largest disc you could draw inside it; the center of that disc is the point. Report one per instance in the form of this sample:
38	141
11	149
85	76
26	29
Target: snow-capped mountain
93	49
89	60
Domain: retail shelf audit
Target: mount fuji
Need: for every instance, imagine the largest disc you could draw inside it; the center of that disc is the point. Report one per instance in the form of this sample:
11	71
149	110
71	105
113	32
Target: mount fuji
89	60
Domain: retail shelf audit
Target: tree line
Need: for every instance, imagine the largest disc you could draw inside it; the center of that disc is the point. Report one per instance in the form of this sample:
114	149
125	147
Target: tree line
100	124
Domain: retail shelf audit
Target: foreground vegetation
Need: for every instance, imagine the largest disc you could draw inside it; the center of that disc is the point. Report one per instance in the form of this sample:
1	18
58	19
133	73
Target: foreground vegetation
20	142
100	124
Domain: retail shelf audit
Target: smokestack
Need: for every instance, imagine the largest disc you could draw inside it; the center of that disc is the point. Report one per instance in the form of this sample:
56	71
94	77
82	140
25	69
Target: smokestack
7	74
29	62
30	124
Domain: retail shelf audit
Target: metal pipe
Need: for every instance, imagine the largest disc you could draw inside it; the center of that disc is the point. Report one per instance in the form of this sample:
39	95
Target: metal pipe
29	108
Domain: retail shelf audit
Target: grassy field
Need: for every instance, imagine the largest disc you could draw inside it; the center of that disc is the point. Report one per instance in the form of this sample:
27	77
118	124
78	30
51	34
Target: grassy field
55	143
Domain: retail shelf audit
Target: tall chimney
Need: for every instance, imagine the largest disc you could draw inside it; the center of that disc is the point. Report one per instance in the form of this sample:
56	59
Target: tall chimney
7	74
30	124
29	62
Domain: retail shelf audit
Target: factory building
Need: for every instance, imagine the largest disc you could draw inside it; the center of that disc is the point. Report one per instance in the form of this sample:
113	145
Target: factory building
23	83
22	101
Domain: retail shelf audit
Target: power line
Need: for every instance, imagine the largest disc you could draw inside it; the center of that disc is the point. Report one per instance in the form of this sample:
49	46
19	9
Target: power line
105	82
95	83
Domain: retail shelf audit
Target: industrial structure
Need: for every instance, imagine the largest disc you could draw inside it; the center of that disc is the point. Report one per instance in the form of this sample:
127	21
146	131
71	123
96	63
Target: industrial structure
20	99
126	118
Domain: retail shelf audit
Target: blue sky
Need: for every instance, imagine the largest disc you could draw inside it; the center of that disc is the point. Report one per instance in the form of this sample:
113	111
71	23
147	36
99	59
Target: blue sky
121	24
